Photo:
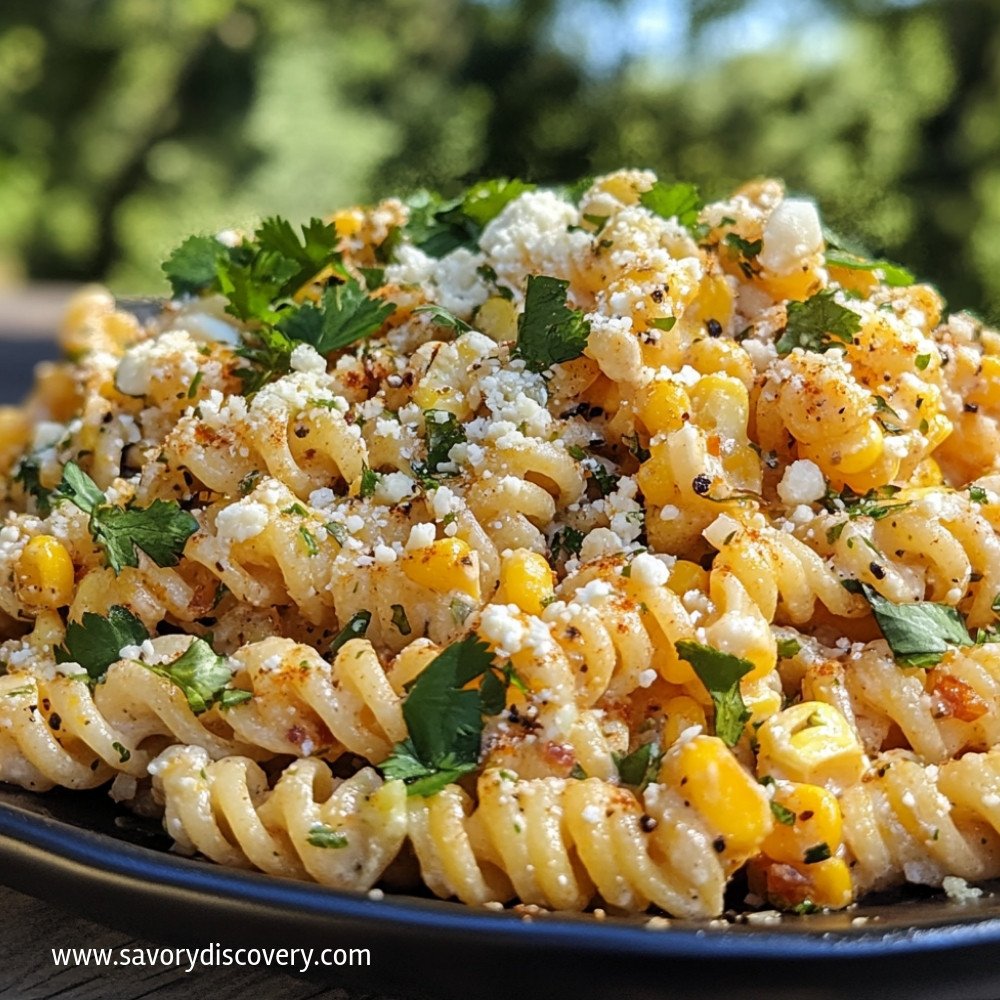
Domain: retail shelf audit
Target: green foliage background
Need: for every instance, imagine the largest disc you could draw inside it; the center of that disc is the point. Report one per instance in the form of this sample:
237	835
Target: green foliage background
126	124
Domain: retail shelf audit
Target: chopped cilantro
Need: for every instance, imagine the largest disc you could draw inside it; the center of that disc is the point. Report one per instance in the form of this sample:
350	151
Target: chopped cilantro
548	331
876	503
192	268
124	754
922	361
369	482
891	274
199	672
356	627
783	814
310	541
460	610
745	248
444	718
818	324
193	385
160	530
679	201
919	633
978	495
788	648
567	541
639	767
27	475
442	317
321	835
337	531
400	620
442	432
720	673
818	852
233	696
95	641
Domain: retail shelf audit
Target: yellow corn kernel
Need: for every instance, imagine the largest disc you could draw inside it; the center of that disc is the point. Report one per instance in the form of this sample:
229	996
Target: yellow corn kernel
826	884
805	817
711	356
715	301
14	430
348	222
927	473
656	476
685	576
497	318
734	806
761	697
831	883
800	284
443	566
44	573
680	713
663	406
813	743
527	580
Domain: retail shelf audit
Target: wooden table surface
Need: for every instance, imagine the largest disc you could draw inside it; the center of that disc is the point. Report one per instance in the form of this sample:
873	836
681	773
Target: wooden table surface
29	928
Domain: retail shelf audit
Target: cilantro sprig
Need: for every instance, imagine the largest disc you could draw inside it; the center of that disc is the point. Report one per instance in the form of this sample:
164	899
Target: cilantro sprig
160	530
95	641
918	633
259	278
437	226
720	673
818	324
444	717
442	431
548	331
202	675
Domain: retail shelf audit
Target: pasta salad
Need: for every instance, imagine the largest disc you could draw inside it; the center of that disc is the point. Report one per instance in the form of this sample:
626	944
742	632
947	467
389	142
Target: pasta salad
573	548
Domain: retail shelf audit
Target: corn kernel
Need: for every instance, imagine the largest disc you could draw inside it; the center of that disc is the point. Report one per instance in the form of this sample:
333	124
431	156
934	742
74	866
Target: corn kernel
715	301
44	573
526	579
497	318
680	713
685	576
733	806
806	816
812	743
443	566
14	431
656	477
826	883
663	406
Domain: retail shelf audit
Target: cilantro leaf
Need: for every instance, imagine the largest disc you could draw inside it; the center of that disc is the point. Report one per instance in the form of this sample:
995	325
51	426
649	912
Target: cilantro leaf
316	250
818	852
639	767
484	201
95	642
548	331
355	628
442	432
160	530
253	286
193	267
442	317
720	673
400	621
444	719
818	324
270	355
79	488
782	814
892	274
919	633
27	475
568	541
788	648
347	314
199	672
369	482
681	201
321	835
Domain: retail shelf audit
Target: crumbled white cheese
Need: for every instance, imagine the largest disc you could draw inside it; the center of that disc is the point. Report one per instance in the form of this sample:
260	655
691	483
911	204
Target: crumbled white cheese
305	358
802	483
421	535
241	521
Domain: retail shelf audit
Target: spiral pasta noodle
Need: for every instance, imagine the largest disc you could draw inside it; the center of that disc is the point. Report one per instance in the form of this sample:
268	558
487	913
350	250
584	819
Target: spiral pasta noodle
576	549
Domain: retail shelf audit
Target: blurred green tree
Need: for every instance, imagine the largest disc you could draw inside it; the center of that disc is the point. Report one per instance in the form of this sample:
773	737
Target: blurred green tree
125	124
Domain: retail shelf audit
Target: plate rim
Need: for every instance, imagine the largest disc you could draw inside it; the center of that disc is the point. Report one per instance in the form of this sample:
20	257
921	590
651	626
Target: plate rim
26	835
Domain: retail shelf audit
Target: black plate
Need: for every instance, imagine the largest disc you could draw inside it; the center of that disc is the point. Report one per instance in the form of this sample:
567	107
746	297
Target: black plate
76	850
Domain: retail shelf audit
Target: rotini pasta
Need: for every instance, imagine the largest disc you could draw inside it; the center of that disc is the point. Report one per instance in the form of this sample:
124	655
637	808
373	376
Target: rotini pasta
573	551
